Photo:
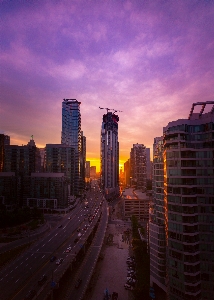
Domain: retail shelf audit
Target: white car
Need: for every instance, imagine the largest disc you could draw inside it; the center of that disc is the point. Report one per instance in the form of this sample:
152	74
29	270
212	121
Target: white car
59	261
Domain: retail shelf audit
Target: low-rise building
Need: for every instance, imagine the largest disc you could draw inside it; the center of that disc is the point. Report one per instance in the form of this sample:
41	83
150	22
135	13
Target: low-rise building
137	205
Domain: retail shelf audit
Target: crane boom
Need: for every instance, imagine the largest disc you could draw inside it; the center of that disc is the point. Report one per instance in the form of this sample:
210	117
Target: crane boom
110	109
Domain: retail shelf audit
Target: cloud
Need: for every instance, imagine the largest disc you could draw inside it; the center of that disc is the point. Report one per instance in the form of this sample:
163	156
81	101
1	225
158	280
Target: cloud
149	59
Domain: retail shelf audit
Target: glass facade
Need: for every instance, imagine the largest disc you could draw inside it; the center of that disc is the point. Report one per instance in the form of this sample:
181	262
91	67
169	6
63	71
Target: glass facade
189	207
157	235
22	160
60	159
4	140
71	134
138	164
49	186
183	203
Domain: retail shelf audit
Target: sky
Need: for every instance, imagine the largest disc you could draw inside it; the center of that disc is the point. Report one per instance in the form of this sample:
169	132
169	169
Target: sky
149	59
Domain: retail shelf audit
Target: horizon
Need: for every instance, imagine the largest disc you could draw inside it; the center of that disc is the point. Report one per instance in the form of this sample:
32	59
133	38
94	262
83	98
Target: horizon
148	59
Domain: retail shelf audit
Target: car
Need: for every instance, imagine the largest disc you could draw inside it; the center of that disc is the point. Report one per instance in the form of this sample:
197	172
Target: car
42	280
59	261
52	258
76	240
78	282
69	218
60	226
78	230
68	250
128	287
30	295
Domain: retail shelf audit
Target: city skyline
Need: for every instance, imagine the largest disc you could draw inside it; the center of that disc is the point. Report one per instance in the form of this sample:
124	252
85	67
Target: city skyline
149	59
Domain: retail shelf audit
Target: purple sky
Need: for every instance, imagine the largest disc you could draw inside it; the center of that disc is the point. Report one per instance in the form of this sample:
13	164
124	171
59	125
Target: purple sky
150	59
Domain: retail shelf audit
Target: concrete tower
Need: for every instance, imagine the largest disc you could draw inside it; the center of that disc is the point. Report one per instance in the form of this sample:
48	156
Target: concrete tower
109	169
71	135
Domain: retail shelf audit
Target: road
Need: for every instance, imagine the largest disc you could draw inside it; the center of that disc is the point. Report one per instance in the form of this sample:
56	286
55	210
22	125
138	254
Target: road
21	275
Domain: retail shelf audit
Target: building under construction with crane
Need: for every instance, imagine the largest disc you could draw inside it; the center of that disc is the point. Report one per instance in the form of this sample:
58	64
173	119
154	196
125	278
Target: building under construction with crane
109	154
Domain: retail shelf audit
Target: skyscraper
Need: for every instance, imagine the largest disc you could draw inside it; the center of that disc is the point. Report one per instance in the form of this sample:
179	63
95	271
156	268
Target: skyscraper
157	220
87	170
182	217
4	140
71	134
109	169
82	162
138	166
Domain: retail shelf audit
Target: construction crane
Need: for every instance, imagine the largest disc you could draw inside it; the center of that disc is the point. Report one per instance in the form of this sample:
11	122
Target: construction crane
110	109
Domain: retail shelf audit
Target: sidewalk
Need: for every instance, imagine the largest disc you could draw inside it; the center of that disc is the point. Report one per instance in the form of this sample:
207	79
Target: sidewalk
111	271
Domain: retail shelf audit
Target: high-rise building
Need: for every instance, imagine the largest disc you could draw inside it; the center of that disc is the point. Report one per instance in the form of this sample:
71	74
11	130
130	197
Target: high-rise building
182	215
20	161
82	163
4	140
59	158
127	172
148	164
48	191
109	169
157	220
93	171
71	134
87	171
138	166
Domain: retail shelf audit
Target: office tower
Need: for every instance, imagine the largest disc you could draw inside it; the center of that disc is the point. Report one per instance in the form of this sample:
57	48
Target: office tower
60	158
87	171
138	166
82	163
188	193
93	171
71	134
157	235
127	172
21	161
109	169
148	164
4	140
49	191
42	155
8	189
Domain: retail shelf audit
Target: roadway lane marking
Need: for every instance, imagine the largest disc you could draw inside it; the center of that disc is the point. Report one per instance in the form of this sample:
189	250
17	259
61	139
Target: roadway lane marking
16	280
26	265
43	256
26	258
43	245
49	240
